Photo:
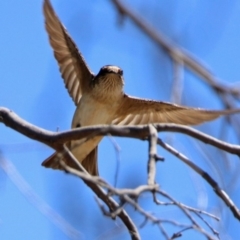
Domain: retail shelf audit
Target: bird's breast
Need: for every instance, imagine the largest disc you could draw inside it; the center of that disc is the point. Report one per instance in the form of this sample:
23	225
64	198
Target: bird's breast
92	112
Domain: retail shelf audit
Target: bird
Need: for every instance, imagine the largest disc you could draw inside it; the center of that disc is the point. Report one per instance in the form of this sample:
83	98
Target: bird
100	98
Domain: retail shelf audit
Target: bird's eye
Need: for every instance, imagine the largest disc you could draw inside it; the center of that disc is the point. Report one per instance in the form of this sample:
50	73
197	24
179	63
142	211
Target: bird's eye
104	71
120	72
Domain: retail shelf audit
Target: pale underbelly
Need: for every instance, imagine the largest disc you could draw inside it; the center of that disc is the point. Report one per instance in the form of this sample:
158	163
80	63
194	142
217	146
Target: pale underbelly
89	113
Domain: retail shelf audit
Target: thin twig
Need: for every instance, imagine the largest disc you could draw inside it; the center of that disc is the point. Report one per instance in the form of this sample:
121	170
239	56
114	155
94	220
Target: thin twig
185	211
195	210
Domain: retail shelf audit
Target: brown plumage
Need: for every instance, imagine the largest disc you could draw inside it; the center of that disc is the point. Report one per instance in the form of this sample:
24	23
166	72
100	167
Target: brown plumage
74	70
88	163
137	111
100	98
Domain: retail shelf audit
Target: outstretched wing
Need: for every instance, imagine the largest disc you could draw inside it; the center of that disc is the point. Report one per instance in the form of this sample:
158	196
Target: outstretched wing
74	69
135	111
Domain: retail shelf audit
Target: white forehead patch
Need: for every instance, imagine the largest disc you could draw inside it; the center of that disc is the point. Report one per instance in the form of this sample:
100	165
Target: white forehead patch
114	69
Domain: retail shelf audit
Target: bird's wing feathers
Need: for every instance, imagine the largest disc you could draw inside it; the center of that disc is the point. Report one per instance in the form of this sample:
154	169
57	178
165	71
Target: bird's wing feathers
134	111
74	69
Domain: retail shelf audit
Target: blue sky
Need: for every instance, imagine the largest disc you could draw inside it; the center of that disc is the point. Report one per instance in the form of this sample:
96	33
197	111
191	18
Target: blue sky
31	86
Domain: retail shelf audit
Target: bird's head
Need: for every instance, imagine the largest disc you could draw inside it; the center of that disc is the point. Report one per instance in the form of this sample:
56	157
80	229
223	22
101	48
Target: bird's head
110	69
109	79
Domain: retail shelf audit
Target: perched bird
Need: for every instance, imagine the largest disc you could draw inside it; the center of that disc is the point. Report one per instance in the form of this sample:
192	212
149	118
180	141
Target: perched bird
100	98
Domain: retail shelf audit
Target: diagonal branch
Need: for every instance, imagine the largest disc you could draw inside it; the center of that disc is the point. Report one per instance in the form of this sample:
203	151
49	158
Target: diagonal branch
220	192
178	54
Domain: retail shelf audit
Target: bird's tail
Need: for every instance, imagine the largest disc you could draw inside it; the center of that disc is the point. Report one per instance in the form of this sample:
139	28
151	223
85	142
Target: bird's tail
89	163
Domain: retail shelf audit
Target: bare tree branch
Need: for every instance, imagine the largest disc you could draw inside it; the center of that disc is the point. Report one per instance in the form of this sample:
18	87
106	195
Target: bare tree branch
185	211
104	191
181	57
178	54
145	132
195	210
57	139
129	196
152	154
90	181
220	192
